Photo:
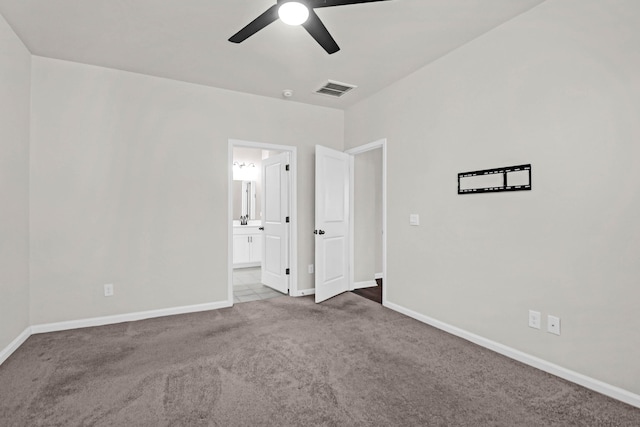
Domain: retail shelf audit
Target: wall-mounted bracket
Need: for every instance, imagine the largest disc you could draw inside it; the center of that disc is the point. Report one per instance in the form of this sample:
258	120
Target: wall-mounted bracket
511	178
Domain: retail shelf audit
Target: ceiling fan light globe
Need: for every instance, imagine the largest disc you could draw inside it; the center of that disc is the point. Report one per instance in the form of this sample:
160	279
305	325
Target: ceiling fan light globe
293	13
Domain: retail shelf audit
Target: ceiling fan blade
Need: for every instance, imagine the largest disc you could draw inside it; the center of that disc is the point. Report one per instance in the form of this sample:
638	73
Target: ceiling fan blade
269	16
318	31
330	3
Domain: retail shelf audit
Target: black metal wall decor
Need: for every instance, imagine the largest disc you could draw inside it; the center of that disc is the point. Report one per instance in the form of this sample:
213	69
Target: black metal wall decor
514	178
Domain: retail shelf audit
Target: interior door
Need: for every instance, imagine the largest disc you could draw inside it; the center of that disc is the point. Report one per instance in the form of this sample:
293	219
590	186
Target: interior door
275	210
332	222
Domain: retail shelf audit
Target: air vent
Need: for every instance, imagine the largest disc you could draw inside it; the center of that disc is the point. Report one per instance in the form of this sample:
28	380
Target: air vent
335	89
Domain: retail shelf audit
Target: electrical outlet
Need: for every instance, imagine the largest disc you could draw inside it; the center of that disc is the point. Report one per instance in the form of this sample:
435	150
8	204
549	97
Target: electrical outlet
534	319
553	325
108	290
310	268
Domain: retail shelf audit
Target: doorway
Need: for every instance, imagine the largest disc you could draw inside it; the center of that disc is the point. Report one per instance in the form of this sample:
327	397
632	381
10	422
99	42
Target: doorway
338	201
368	212
257	258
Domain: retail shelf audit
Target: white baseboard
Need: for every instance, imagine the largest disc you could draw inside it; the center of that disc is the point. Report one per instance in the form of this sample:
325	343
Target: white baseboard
13	345
378	276
128	317
567	374
303	292
365	284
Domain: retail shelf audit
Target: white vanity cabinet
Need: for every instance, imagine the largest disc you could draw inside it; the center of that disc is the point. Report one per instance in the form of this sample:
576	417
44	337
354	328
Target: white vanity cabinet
247	246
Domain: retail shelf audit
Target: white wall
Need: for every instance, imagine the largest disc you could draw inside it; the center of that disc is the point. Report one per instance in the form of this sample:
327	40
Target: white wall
15	86
129	186
557	87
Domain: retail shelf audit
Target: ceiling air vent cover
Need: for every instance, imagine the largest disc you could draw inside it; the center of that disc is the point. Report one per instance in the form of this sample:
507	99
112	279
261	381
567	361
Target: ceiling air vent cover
335	89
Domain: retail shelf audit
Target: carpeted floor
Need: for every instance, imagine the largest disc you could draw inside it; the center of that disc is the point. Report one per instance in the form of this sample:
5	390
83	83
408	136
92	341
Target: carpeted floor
285	362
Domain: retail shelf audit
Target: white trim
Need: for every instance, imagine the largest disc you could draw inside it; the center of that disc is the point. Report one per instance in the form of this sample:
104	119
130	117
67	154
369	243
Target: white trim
366	147
293	200
351	225
365	284
13	345
304	292
293	225
128	317
230	223
559	371
381	143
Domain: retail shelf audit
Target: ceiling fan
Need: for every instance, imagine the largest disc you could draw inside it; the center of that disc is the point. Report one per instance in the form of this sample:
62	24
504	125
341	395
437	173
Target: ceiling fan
297	12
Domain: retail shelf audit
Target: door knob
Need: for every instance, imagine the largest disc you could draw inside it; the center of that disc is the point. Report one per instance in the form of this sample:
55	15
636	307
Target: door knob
321	232
261	228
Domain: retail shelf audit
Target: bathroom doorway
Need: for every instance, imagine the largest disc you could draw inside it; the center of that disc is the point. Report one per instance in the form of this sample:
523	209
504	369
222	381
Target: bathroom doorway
262	241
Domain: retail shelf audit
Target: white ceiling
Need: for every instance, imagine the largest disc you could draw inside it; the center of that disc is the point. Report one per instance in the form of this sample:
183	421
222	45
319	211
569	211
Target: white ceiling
186	40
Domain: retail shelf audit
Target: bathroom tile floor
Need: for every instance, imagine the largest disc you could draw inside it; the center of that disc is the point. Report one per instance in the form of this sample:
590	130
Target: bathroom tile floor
247	286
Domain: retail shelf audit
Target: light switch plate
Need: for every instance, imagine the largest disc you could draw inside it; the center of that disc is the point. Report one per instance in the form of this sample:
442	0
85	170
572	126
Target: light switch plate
414	219
534	319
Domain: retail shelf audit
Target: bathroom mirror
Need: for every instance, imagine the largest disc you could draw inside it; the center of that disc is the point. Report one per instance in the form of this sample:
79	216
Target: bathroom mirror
244	199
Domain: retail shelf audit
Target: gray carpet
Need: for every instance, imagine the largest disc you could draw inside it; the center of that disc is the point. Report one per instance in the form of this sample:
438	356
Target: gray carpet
285	362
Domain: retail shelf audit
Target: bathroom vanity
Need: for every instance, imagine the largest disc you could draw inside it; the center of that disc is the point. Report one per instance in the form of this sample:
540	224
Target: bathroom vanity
247	245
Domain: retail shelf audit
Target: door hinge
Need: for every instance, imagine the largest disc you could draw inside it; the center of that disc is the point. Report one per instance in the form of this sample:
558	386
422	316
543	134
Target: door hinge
286	167
287	272
286	219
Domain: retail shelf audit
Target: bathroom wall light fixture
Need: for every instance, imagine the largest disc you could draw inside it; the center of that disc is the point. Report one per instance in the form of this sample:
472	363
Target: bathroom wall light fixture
243	165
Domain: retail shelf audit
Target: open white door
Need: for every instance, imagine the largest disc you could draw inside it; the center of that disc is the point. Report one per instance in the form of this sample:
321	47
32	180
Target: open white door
275	210
332	222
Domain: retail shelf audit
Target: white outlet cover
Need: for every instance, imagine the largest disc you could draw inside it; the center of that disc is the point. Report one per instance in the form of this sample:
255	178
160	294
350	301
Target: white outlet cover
108	290
534	319
310	268
553	325
414	219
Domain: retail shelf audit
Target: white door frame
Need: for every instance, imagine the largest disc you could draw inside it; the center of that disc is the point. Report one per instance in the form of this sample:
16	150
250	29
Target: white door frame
382	144
293	211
